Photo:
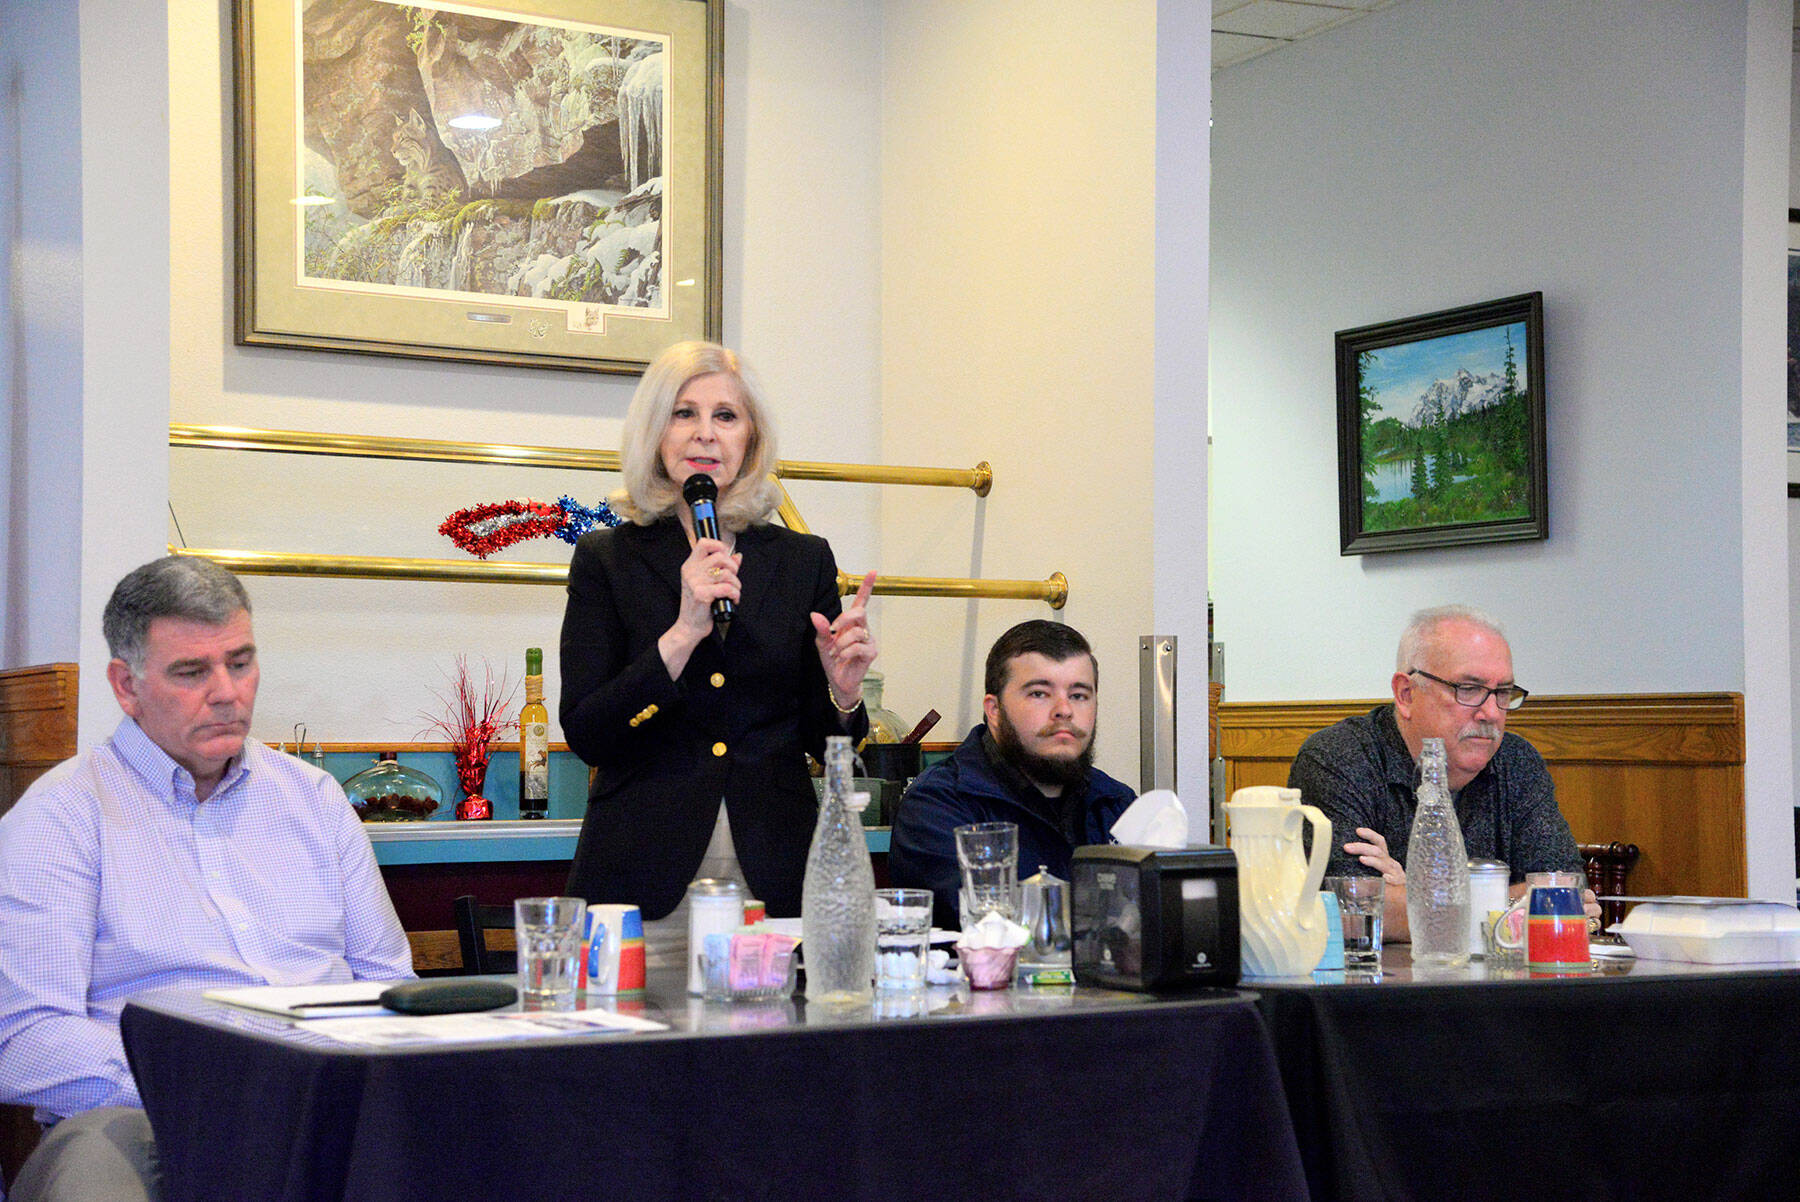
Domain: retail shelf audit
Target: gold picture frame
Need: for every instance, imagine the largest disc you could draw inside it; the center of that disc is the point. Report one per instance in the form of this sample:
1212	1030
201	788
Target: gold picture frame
529	182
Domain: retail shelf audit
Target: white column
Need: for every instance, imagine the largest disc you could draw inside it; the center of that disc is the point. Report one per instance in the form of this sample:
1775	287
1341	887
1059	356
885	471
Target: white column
1183	177
124	489
1768	768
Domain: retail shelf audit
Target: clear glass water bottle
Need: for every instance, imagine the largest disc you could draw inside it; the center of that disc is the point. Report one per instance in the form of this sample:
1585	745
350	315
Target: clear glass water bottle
1437	870
837	901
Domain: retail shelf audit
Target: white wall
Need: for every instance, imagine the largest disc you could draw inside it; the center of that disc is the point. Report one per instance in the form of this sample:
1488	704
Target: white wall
40	330
1017	311
1443	152
359	660
938	246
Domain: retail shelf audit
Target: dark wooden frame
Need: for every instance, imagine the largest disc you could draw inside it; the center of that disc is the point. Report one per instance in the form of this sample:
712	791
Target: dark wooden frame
514	332
1351	344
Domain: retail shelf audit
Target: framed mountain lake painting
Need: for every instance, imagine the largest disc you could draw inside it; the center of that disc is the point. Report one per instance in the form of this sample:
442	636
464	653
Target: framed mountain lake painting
1441	429
514	181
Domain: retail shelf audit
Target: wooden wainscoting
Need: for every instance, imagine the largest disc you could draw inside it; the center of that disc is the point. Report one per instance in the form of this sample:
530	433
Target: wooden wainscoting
37	725
1662	770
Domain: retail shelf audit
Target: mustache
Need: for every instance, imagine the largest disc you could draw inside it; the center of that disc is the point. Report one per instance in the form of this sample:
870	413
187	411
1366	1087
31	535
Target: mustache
1479	730
1058	727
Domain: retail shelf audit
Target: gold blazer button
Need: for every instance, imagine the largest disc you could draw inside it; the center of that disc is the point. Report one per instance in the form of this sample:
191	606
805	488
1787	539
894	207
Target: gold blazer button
718	680
718	749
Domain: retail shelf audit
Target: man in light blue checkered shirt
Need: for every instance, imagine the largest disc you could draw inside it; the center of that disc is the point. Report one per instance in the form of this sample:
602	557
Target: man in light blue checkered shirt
177	853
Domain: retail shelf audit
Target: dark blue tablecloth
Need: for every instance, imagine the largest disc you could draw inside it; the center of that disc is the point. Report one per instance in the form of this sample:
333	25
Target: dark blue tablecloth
1137	1101
1670	1083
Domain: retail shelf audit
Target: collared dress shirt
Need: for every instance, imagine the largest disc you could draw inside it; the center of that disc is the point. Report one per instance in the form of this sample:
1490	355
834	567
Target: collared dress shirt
114	881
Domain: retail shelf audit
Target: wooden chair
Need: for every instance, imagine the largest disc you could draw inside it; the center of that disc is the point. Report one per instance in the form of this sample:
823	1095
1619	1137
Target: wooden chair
37	731
37	725
1608	864
473	921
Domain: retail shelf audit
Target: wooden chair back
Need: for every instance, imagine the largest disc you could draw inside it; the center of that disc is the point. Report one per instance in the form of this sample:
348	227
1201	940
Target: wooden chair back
473	922
37	725
37	732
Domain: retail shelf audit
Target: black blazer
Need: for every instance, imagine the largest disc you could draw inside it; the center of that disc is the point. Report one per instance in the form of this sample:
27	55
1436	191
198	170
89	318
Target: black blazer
736	725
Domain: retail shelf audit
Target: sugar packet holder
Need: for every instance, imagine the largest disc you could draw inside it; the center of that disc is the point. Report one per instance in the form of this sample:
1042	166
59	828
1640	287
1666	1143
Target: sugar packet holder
748	967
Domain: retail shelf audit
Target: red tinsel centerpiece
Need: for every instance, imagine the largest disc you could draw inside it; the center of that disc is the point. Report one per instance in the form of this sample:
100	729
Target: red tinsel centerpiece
471	723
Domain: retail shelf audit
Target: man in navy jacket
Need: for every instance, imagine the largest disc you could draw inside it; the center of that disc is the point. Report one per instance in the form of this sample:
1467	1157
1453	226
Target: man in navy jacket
1031	762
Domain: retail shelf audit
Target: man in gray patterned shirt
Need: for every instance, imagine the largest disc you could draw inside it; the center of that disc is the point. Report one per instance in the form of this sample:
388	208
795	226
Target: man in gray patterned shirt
1453	680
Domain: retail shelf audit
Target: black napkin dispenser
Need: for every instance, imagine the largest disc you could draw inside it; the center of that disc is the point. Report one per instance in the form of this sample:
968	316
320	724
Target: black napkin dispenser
1146	918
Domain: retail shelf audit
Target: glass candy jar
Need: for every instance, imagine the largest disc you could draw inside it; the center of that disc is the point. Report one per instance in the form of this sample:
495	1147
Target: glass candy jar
392	792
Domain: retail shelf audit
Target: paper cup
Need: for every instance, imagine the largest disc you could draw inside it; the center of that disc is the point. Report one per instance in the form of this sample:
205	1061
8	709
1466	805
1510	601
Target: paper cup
614	954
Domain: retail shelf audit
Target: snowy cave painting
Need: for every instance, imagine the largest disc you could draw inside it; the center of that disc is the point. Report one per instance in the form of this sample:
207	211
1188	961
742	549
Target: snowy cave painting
1445	428
456	153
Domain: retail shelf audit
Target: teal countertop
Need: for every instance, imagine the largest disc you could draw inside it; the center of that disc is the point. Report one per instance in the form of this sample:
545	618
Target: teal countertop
441	839
568	782
434	842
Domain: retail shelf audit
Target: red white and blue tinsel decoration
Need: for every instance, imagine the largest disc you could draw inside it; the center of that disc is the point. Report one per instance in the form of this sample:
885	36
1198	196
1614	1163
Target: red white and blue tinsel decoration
482	530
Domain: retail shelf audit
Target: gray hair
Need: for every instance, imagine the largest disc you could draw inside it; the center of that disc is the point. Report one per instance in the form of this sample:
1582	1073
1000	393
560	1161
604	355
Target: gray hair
649	494
175	586
1422	627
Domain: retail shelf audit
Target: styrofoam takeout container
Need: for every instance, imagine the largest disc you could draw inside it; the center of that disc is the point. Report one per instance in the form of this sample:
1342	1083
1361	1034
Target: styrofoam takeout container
1713	930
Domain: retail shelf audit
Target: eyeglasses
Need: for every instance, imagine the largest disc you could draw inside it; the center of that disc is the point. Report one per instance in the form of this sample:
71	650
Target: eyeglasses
1510	696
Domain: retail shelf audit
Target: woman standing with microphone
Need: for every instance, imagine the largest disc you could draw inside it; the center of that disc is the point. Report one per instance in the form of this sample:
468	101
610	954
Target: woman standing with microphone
698	730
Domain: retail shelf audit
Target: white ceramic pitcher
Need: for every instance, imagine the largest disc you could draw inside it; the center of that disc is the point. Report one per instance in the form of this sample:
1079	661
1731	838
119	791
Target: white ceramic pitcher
1281	915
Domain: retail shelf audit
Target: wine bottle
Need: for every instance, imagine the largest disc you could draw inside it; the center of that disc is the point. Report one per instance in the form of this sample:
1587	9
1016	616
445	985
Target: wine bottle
534	741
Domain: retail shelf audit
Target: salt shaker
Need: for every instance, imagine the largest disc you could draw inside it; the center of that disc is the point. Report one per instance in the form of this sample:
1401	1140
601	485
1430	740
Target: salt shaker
1487	899
715	907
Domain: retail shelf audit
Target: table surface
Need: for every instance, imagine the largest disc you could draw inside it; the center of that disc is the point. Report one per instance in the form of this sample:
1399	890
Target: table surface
1639	1079
1047	1093
1397	968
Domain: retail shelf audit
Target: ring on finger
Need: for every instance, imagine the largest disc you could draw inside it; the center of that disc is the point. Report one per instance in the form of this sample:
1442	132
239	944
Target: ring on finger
716	572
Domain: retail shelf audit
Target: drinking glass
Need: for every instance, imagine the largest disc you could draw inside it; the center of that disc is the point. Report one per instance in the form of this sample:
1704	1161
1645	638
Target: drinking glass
988	853
902	938
548	930
1359	901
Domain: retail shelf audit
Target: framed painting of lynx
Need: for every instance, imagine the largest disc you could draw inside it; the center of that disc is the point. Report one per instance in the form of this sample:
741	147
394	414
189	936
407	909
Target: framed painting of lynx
528	182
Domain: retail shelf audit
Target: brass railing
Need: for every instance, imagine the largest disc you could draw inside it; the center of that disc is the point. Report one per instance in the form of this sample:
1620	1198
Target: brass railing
979	479
1053	592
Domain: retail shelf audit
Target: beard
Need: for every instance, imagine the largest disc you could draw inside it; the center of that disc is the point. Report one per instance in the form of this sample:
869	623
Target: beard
1043	769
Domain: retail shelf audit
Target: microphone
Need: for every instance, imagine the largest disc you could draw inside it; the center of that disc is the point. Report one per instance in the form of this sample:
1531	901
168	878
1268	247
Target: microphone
702	495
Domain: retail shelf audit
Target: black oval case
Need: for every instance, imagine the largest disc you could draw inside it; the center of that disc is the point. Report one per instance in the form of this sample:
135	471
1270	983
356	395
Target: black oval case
449	997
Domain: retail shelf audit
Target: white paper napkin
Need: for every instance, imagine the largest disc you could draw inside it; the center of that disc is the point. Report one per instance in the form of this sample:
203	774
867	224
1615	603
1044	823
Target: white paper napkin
1157	819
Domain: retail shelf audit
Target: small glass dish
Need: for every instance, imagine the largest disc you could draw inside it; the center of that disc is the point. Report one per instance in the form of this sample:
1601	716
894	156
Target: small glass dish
715	972
988	967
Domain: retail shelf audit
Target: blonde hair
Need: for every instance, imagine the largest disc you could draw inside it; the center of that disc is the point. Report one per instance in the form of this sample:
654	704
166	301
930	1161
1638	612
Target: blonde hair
649	494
